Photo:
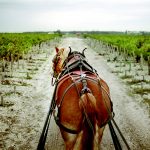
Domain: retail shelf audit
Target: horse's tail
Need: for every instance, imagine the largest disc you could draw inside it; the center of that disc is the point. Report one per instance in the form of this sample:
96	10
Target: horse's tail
87	104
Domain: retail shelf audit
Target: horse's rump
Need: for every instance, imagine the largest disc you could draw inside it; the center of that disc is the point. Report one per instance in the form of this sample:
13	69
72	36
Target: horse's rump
68	99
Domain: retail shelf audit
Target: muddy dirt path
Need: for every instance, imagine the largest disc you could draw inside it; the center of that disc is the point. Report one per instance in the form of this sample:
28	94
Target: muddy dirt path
21	124
132	119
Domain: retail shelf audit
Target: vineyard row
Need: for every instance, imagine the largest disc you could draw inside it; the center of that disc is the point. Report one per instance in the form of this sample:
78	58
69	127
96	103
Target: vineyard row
15	45
132	45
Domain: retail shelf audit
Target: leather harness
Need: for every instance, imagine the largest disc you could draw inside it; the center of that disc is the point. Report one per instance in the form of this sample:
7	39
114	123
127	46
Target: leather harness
70	71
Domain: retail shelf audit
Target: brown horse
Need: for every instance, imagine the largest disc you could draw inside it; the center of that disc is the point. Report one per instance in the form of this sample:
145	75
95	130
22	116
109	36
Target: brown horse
83	102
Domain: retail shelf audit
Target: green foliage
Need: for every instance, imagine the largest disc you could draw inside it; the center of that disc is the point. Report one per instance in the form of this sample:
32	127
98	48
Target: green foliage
133	44
18	43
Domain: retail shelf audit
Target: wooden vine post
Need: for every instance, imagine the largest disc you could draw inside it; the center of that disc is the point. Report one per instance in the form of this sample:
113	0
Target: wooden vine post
142	61
3	68
3	65
148	65
11	65
2	101
23	61
18	61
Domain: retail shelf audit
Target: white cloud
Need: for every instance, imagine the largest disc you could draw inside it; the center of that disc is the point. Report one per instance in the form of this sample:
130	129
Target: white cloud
17	15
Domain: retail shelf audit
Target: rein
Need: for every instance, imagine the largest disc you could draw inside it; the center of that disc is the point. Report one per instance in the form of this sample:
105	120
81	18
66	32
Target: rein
43	136
114	136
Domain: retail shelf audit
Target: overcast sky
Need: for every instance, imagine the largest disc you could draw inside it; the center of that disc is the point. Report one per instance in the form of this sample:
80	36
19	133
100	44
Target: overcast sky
50	15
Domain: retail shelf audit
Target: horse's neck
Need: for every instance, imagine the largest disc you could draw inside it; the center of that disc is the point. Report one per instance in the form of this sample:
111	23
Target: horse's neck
64	57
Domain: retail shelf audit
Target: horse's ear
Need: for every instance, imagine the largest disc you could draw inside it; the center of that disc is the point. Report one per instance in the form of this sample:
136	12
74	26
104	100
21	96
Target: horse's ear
56	49
83	52
70	50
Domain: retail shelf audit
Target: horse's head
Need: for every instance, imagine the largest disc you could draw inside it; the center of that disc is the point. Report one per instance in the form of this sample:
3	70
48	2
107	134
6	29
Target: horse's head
62	57
58	61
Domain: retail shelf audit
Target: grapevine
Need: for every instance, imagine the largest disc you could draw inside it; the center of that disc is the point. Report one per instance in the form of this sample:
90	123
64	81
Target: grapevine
16	44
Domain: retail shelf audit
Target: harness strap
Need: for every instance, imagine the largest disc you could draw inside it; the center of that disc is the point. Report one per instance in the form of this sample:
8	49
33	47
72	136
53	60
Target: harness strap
65	128
57	117
73	54
85	89
76	64
82	79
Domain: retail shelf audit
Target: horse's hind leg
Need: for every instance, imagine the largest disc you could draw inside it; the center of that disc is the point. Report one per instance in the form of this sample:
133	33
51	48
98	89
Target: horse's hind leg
69	139
98	137
101	133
